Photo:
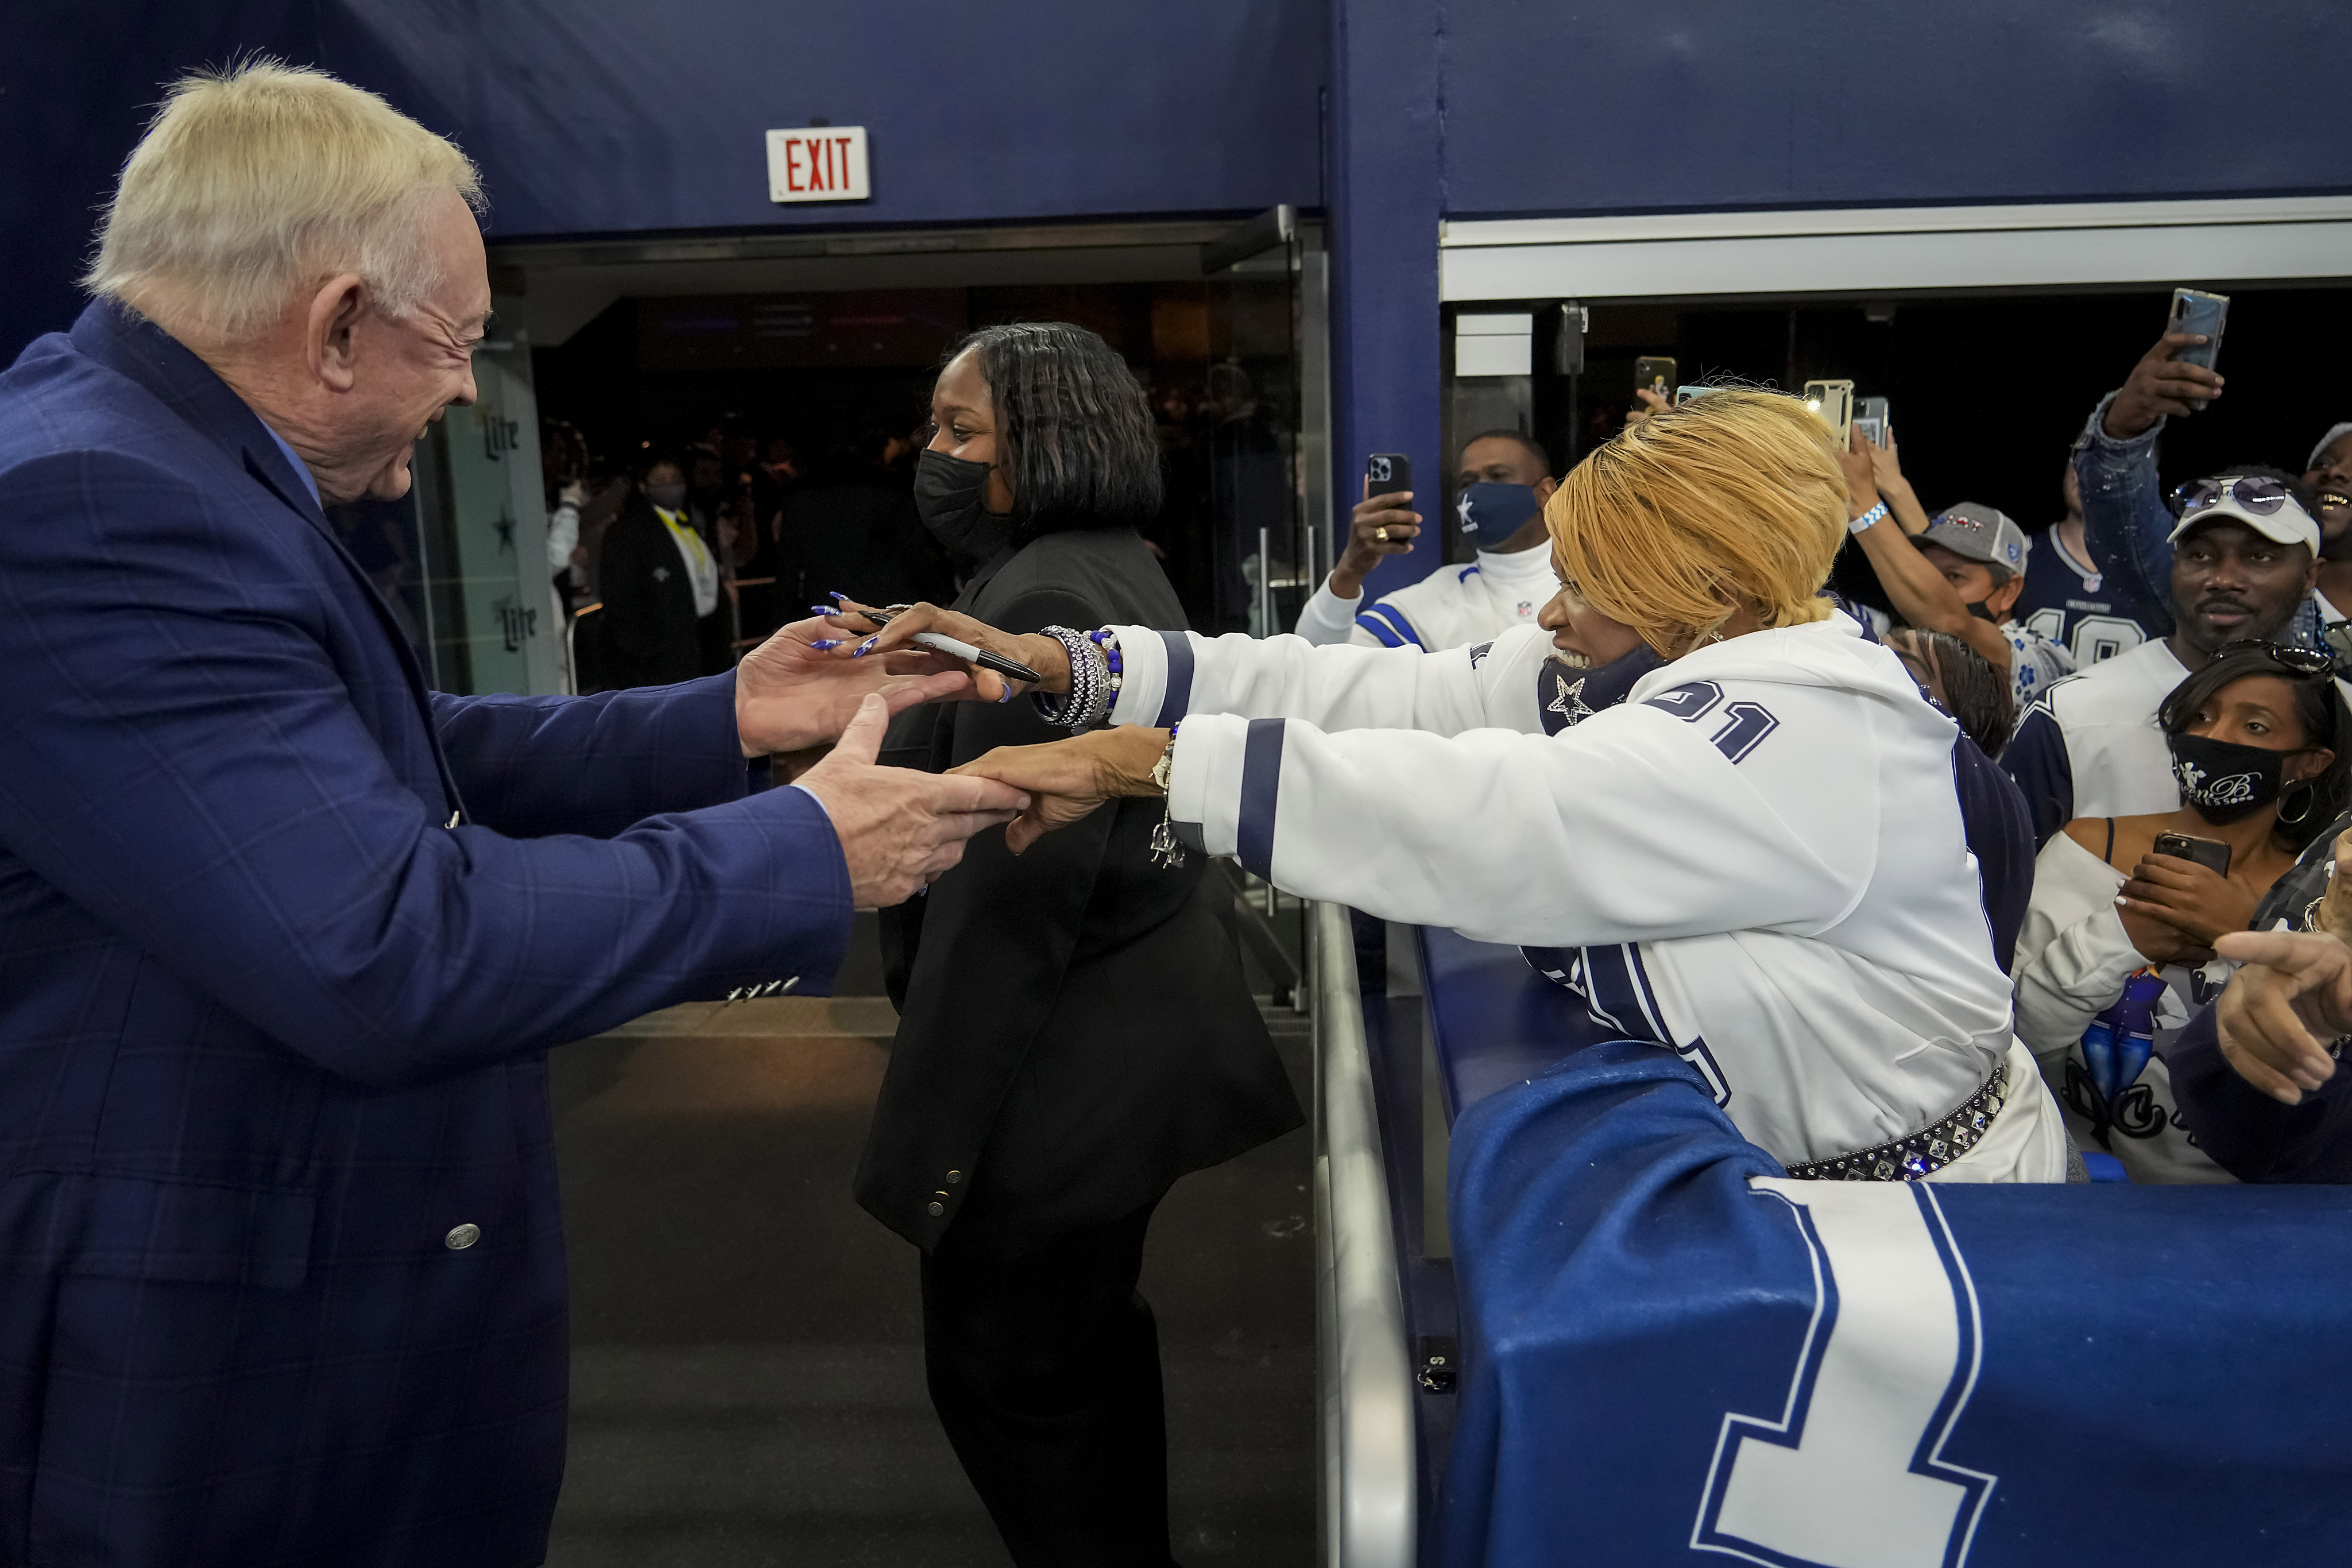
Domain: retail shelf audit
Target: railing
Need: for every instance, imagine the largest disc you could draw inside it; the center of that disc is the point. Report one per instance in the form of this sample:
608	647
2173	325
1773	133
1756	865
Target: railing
1369	1484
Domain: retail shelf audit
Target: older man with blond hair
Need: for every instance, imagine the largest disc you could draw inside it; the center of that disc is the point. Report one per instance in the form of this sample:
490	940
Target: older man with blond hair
284	935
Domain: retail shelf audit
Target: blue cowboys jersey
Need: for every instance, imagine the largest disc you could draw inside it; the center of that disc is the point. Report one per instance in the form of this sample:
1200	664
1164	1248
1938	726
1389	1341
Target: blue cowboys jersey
2069	604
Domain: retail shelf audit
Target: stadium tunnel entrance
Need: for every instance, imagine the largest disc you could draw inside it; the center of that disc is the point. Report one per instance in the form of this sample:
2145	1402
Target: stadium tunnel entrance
820	350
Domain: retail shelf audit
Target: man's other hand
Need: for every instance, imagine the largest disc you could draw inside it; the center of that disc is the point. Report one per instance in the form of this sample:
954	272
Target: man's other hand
900	829
2278	1013
791	694
2161	387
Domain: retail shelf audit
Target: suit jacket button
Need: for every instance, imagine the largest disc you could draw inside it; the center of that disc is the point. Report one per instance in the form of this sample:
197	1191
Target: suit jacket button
937	1209
461	1236
954	1176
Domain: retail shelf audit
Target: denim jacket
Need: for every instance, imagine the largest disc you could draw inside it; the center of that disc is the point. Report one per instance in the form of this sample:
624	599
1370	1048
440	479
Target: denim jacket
2127	525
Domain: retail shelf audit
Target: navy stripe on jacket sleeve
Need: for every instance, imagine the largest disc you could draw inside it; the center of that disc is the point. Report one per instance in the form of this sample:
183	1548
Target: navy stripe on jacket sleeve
1176	701
1261	783
1380	629
1998	827
1396	620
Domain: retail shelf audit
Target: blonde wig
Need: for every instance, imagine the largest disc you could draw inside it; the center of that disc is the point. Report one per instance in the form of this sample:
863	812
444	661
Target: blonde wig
255	181
1732	501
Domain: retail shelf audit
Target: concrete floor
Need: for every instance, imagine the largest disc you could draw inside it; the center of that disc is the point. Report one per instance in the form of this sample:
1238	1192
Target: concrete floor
746	1363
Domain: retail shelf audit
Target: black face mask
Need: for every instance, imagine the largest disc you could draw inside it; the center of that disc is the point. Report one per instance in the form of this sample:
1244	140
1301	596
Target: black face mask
2221	780
951	495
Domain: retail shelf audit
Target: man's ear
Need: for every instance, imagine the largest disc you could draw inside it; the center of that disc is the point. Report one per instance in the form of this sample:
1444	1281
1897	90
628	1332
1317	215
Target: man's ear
1544	487
1998	602
330	329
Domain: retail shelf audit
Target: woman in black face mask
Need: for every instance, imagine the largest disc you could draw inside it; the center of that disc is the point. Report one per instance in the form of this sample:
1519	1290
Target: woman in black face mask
1074	1031
2111	963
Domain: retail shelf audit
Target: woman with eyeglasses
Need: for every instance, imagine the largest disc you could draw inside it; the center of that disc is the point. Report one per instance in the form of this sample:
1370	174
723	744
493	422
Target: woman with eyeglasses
2116	952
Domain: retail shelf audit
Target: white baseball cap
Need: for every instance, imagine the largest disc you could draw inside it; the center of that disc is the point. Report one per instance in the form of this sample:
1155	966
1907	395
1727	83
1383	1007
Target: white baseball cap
2265	505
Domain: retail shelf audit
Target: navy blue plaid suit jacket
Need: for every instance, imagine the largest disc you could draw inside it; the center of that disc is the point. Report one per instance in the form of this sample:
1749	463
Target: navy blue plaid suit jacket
270	1029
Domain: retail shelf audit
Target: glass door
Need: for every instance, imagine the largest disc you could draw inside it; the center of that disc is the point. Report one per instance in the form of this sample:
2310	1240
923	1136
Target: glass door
493	622
1268	492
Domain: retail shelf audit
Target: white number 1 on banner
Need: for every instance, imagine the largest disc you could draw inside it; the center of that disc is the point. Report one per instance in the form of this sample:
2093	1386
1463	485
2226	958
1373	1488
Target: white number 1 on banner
1850	1476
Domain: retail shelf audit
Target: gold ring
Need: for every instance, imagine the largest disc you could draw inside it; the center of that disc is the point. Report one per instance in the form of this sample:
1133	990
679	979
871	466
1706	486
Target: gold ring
1382	533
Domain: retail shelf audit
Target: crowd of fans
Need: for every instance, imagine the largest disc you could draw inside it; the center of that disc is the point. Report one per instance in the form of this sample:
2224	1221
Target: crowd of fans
2161	680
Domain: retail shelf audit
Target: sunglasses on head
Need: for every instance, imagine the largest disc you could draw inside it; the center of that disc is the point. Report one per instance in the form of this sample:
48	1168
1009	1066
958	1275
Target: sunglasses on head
2305	661
2257	493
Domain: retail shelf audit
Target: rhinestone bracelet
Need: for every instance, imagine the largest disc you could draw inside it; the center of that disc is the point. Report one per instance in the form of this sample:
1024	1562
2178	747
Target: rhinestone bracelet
1088	698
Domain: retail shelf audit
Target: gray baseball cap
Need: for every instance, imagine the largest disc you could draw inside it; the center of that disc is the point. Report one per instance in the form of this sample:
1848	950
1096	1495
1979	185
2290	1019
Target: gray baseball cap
1981	533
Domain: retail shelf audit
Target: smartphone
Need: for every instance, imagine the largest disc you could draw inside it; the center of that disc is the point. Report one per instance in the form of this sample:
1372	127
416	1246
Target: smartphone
1653	372
1833	401
1871	419
2193	311
1686	394
2212	853
1385	472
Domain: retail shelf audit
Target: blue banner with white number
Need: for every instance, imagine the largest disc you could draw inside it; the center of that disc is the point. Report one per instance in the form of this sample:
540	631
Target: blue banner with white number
1674	1354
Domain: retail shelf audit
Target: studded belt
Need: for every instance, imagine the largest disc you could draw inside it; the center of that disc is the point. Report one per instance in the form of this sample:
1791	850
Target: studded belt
1925	1151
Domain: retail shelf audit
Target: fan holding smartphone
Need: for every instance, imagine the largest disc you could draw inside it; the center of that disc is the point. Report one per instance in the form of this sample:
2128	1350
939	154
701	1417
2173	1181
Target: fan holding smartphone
2116	952
1499	490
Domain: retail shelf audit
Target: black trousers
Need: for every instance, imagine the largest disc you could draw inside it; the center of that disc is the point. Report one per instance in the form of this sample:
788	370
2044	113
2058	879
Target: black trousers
1044	1370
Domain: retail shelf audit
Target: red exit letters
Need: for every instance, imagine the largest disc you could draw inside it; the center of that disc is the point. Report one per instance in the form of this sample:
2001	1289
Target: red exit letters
817	163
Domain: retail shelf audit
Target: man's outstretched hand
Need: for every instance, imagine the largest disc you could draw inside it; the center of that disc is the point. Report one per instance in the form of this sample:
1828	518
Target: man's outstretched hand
900	829
2278	1012
791	694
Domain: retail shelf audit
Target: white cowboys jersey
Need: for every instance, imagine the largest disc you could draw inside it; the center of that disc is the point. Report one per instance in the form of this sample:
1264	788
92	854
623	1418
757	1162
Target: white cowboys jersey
1450	608
1758	861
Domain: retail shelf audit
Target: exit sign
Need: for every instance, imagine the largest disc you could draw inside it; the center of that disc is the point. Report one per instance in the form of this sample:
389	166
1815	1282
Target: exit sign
818	164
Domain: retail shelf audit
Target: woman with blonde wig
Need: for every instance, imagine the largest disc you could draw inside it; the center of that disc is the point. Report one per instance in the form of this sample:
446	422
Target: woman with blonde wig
1760	859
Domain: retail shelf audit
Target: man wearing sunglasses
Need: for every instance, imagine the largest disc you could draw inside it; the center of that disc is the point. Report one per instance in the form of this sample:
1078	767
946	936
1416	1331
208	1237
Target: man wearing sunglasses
2244	556
2128	527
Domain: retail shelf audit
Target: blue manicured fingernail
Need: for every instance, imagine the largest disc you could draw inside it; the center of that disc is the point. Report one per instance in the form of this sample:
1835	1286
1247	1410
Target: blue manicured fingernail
1005	695
837	593
867	647
823	609
827	643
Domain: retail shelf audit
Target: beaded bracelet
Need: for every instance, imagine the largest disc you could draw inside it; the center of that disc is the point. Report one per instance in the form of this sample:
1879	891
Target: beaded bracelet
1107	640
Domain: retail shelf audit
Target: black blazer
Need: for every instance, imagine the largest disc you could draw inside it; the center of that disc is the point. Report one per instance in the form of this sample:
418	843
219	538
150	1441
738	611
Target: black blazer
1075	1032
651	635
